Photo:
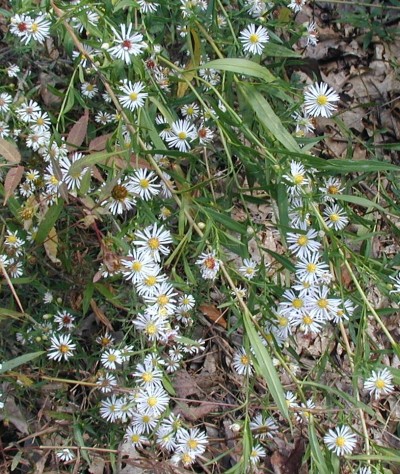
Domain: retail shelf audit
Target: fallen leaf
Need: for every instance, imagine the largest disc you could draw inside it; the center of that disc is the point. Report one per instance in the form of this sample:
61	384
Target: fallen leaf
99	143
100	315
194	413
51	245
9	151
13	415
289	464
185	384
97	465
12	180
213	313
78	132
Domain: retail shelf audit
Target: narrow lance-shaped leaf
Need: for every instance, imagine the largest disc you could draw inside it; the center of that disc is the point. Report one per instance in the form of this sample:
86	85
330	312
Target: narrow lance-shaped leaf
241	66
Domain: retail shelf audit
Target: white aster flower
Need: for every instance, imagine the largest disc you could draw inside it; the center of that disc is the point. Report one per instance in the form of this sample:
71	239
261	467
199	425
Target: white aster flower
380	383
340	440
65	455
5	101
111	358
128	44
61	347
256	454
137	266
143	183
311	269
193	441
154	240
335	217
319	100
181	134
296	5
303	245
133	435
152	325
209	265
152	400
253	40
132	97
242	362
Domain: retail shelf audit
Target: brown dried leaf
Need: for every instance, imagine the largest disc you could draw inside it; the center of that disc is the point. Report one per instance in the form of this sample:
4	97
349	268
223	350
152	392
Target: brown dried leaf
78	132
12	180
213	313
51	245
194	413
14	415
185	384
100	315
99	143
97	465
9	151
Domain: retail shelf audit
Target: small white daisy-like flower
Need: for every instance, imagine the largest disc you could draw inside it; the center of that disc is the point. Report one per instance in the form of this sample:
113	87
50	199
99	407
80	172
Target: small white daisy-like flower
257	8
61	347
107	383
297	177
291	399
364	470
65	455
380	383
304	124
109	409
253	40
148	285
166	438
320	305
308	323
248	268
4	129
153	326
89	90
103	117
209	265
261	428
163	298
204	134
187	302
143	183
331	187
311	269
312	34
120	199
147	6
152	400
296	5
137	266
340	440
105	341
5	101
72	180
128	44
132	97
133	435
190	111
144	422
319	100
154	240
148	375
303	245
13	70
181	134
38	30
26	111
185	457
111	358
396	284
64	320
257	453
48	297
335	217
242	362
193	441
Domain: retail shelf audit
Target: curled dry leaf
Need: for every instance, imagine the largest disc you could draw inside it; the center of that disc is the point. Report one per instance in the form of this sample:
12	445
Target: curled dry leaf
51	245
12	180
213	313
9	151
100	315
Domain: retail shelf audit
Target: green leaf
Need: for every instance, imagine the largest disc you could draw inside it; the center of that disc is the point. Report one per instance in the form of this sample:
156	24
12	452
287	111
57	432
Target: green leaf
92	159
266	367
279	51
345	166
80	441
360	201
316	452
268	118
241	66
13	363
226	221
48	221
6	313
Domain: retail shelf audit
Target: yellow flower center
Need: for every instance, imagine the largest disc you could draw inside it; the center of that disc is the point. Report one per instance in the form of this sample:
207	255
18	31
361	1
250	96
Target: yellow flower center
111	358
153	243
135	438
311	268
186	458
40	121
147	377
192	443
162	300
302	240
322	100
307	320
146	419
182	135
297	303
283	321
11	239
63	348
334	217
152	401
380	384
133	96
34	27
144	183
150	281
53	180
245	360
254	38
322	303
298	178
136	266
151	329
340	441
333	189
